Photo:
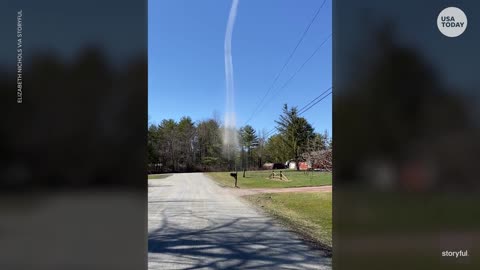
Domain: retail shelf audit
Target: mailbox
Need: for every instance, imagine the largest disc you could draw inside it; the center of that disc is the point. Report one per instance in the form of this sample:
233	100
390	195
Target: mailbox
234	175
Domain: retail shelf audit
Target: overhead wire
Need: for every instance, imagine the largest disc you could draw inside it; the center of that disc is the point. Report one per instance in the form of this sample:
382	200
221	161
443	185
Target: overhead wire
287	61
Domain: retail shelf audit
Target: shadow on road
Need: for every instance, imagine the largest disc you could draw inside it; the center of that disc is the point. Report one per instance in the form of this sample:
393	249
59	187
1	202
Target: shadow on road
246	242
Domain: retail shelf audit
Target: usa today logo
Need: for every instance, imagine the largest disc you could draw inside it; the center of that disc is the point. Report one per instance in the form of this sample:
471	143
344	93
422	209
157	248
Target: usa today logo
452	22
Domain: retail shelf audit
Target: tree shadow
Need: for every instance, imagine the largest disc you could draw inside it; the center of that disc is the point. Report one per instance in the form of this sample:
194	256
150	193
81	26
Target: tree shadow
245	242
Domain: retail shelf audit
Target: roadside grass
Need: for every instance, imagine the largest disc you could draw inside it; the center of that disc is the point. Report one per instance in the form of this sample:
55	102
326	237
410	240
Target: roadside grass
309	214
158	176
259	179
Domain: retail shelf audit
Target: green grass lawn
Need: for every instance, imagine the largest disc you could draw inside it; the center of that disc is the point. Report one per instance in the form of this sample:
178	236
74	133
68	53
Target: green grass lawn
310	214
259	179
158	176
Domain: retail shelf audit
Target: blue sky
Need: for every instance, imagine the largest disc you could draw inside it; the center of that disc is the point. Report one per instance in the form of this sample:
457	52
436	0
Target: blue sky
186	59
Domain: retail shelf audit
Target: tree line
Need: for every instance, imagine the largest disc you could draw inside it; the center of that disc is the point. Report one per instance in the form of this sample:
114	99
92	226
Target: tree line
185	145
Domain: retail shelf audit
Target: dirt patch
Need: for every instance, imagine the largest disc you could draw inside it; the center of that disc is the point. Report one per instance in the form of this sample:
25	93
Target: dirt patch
252	191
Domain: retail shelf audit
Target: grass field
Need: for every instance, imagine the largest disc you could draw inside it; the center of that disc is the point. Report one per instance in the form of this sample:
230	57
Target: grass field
259	179
309	214
158	176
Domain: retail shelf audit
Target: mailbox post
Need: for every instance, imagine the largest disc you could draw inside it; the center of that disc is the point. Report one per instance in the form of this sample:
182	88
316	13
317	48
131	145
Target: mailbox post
234	175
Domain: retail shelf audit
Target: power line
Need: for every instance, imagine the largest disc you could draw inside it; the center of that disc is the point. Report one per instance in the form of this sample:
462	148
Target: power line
270	132
288	60
298	70
314	104
304	109
314	99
